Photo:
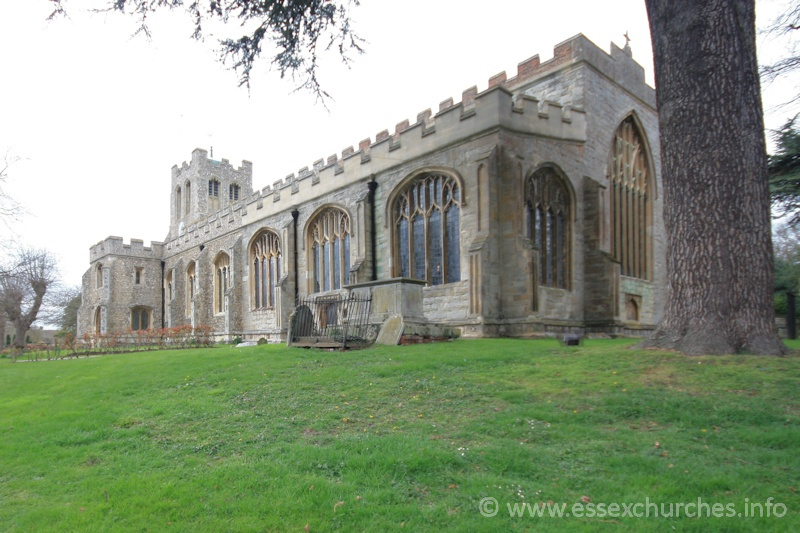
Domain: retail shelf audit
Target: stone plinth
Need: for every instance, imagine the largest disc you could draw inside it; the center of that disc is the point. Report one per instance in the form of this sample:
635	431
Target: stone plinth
394	296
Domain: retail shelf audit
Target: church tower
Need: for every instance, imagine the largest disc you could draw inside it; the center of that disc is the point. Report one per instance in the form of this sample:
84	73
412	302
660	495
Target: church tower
204	187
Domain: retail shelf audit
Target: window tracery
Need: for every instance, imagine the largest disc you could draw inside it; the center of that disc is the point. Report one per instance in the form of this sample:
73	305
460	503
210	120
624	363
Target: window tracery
628	173
329	239
265	262
548	205
426	221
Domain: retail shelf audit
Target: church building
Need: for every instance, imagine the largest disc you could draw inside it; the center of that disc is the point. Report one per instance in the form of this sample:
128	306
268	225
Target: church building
532	207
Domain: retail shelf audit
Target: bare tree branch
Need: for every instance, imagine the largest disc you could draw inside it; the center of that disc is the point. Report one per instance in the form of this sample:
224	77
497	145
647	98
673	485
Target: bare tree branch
784	25
298	32
10	209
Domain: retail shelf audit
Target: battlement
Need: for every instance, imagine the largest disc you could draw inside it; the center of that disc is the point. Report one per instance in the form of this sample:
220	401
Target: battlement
618	65
115	246
476	113
200	163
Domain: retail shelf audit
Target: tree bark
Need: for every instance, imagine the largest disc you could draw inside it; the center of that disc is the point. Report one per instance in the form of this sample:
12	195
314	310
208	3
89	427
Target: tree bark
714	168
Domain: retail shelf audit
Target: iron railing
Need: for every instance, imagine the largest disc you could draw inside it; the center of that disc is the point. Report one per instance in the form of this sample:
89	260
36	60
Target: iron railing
331	321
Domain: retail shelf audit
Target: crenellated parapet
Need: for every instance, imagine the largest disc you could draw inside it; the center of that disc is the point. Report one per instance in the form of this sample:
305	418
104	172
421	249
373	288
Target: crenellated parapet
618	65
201	164
475	114
114	246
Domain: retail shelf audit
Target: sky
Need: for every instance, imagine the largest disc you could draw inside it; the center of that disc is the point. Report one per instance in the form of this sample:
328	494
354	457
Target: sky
95	117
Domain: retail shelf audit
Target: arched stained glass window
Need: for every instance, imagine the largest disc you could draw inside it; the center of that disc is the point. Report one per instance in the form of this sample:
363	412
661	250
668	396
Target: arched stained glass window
329	242
631	197
265	264
426	221
548	204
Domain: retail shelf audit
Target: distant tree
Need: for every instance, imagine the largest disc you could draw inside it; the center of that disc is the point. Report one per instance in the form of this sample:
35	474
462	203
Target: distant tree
298	31
784	172
714	168
24	281
69	302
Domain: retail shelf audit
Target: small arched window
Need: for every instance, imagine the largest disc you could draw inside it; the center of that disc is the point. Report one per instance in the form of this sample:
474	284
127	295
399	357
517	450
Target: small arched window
426	220
548	205
191	286
631	198
178	203
222	268
265	264
168	285
329	243
140	318
233	192
99	276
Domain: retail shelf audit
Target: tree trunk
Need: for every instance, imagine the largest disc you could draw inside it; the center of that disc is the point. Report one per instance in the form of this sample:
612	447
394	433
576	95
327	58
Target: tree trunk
714	167
19	335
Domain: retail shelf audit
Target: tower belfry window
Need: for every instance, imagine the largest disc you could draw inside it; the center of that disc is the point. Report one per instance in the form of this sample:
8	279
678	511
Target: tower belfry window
213	188
233	192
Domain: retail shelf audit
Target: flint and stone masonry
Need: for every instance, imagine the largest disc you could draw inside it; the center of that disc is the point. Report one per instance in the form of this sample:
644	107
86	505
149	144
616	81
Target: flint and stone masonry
533	207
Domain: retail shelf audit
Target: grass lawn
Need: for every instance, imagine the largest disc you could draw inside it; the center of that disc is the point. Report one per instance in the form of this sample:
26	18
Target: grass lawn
275	439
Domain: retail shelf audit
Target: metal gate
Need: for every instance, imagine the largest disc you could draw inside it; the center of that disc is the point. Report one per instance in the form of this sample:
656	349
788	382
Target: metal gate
330	322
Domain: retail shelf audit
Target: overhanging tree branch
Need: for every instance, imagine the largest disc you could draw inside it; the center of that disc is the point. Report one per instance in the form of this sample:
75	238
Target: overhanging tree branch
298	31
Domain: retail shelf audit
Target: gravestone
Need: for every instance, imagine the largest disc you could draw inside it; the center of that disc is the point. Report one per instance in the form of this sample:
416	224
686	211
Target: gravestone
391	331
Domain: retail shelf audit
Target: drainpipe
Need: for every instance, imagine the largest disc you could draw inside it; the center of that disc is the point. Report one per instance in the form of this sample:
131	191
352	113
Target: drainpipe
372	184
163	304
295	215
